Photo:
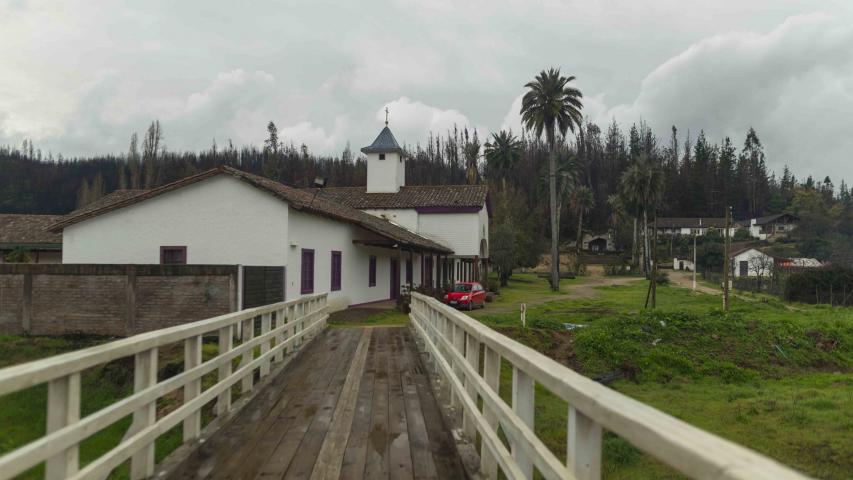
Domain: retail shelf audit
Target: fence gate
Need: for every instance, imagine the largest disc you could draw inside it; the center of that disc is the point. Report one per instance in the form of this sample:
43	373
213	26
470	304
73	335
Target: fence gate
262	286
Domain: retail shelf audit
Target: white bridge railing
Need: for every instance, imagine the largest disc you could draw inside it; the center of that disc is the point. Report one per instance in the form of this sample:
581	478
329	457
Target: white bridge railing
284	328
455	343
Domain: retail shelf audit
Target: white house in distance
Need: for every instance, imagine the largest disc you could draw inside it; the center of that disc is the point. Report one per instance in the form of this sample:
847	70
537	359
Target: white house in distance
692	226
454	215
772	225
227	216
751	262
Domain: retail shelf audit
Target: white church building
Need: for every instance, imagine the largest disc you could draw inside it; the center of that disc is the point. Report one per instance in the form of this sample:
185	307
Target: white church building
359	244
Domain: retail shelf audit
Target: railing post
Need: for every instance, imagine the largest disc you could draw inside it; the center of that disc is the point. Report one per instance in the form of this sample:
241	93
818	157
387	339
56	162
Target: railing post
144	376
279	337
492	376
583	455
265	345
226	342
192	358
472	355
291	328
248	328
459	346
63	409
523	392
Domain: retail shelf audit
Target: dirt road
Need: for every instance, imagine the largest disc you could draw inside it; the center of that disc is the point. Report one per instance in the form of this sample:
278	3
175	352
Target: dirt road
684	279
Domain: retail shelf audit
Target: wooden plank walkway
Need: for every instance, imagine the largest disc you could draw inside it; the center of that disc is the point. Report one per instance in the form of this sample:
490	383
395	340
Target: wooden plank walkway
355	404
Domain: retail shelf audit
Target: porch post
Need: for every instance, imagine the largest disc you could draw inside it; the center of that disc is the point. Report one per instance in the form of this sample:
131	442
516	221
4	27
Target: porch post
412	263
397	276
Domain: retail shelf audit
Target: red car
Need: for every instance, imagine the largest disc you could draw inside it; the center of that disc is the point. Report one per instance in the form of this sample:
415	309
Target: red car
466	295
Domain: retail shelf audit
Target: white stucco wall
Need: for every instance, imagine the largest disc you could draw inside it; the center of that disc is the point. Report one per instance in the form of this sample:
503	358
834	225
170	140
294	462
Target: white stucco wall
220	220
405	217
324	235
459	231
748	257
386	175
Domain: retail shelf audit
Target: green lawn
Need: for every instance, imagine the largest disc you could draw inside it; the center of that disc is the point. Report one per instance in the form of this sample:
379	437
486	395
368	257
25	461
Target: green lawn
774	377
100	387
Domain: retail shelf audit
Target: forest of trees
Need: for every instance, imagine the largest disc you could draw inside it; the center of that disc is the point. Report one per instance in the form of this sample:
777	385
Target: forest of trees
697	177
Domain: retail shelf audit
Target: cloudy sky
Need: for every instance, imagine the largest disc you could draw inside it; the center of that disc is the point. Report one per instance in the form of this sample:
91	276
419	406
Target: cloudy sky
78	78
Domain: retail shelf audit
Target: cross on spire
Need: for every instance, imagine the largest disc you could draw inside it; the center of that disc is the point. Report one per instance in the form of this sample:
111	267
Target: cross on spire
386	116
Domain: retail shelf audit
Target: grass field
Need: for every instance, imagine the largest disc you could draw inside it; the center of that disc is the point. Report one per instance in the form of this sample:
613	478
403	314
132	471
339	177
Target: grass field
100	387
777	378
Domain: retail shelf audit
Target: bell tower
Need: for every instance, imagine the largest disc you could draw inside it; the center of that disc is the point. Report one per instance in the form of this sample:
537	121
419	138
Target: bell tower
386	168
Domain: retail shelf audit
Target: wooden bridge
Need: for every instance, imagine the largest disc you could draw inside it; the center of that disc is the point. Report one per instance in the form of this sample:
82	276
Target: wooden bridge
284	397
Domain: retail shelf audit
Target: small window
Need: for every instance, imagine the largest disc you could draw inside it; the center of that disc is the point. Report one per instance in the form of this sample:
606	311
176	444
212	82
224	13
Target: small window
307	282
336	271
173	255
381	156
371	279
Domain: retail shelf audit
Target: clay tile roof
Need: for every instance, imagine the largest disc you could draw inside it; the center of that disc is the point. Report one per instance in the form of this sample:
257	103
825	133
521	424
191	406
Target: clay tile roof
29	230
450	196
108	199
772	218
296	198
384	143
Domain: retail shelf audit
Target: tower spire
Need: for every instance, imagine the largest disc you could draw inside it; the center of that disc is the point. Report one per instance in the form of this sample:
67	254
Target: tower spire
386	116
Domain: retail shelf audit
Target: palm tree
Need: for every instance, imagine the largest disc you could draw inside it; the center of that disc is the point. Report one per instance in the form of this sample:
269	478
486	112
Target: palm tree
642	184
582	202
551	105
503	152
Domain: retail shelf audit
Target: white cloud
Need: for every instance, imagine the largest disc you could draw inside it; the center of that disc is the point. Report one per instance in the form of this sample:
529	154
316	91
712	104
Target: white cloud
412	121
794	84
79	80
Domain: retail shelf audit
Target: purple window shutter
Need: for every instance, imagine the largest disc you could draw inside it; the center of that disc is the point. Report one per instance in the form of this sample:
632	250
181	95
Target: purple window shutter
307	271
336	271
409	271
371	280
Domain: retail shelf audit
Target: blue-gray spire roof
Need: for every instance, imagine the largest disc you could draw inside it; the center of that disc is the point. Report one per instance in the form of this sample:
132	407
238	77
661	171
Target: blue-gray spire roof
384	143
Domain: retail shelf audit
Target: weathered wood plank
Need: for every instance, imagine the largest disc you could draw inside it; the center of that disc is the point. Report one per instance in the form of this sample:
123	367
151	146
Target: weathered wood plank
330	458
376	463
304	410
423	466
441	445
355	454
399	450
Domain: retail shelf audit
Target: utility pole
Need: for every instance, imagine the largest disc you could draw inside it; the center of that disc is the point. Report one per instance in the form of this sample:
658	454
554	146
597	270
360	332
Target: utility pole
726	259
655	260
694	259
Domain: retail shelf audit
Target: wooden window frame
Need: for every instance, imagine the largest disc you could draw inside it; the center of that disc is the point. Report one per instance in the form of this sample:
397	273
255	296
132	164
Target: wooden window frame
336	281
165	248
371	271
304	288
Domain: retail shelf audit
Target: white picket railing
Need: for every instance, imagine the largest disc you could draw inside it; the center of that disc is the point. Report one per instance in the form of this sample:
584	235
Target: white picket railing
453	342
284	328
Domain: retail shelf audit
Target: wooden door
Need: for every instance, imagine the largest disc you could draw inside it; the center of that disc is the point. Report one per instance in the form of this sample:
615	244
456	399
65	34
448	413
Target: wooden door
395	279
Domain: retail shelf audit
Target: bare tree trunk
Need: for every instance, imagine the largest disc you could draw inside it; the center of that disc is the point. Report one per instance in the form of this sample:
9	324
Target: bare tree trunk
646	262
555	229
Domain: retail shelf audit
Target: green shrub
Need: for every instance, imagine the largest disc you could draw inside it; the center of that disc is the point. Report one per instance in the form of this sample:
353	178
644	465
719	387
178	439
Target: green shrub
657	346
833	285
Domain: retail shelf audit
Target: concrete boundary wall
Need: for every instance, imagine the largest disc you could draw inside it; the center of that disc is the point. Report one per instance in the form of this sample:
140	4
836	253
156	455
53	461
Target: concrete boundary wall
112	300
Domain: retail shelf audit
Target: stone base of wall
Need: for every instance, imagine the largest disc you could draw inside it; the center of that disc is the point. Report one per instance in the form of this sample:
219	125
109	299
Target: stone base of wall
113	300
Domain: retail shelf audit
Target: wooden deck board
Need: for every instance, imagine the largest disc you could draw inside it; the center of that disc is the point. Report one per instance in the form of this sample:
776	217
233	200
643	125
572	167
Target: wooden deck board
396	430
